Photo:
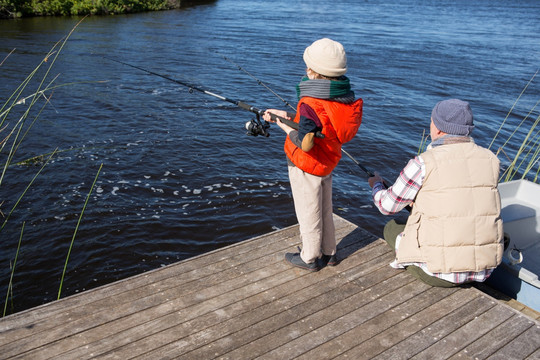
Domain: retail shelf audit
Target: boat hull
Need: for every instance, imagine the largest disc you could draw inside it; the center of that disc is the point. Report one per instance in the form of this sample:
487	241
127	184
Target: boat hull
517	276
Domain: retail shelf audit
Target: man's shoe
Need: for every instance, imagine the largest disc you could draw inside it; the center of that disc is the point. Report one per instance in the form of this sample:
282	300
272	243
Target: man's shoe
295	260
329	260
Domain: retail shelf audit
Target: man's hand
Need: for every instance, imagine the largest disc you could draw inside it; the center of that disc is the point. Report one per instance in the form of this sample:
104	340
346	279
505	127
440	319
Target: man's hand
375	179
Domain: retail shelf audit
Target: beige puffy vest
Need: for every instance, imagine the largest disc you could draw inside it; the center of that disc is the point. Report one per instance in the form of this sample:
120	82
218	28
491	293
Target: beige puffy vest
455	223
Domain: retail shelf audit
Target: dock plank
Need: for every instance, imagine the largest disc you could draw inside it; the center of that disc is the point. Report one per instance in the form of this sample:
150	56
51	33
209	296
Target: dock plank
465	335
244	302
493	341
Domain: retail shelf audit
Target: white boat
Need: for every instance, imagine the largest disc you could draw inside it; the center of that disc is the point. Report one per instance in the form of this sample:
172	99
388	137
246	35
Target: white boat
517	276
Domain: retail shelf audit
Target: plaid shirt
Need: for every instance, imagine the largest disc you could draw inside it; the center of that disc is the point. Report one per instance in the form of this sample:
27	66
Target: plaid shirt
397	197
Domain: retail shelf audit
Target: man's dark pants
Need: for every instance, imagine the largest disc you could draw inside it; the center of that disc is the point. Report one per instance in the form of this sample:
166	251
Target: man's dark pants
391	230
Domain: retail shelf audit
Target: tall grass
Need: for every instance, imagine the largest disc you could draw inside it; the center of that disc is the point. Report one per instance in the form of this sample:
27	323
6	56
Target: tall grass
525	163
14	130
10	285
75	232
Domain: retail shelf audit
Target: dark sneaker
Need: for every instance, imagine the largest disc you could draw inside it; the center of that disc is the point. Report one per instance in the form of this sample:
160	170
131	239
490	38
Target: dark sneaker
329	260
295	260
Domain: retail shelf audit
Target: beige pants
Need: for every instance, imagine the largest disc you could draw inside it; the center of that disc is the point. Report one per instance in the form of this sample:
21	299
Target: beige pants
313	205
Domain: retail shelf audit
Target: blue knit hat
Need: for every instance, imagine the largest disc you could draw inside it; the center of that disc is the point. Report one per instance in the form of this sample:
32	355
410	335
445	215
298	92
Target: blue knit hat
453	117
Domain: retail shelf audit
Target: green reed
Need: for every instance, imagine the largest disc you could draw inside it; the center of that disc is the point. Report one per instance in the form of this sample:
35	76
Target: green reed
527	157
13	132
75	232
10	285
423	142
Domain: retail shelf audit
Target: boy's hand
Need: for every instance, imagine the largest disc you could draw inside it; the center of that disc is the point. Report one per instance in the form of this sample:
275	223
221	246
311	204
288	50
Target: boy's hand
280	113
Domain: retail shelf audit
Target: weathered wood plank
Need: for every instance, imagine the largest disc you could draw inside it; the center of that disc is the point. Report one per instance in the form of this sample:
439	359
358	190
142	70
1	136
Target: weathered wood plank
408	327
344	334
154	305
351	312
495	339
244	301
534	356
457	340
522	346
309	317
433	333
285	304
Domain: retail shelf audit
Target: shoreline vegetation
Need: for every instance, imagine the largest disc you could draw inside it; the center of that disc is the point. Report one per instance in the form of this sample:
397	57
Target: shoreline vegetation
13	9
13	137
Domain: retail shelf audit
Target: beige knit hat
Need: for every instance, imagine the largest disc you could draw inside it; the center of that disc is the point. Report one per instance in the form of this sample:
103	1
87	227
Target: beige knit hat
326	57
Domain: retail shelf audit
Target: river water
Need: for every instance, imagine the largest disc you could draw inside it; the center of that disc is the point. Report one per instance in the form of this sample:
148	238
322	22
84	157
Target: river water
180	177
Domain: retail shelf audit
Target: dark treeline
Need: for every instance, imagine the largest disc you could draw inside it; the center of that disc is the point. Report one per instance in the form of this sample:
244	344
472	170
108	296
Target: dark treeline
23	8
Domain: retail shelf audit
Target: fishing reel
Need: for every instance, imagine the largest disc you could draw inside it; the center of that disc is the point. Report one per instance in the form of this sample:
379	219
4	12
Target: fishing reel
256	127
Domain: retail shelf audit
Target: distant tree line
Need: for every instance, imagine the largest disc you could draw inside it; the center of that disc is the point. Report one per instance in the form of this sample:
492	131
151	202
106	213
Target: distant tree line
23	8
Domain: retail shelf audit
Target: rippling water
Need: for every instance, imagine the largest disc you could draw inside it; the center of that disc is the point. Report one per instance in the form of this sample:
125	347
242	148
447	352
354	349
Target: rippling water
180	177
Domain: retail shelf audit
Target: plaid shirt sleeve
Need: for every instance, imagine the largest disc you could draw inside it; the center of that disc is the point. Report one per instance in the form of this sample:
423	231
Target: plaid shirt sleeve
403	191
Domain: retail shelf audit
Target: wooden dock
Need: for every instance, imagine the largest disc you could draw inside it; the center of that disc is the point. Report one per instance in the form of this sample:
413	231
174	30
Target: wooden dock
244	302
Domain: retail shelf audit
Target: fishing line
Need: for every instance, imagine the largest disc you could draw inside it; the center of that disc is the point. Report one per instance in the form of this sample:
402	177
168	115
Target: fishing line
254	127
258	81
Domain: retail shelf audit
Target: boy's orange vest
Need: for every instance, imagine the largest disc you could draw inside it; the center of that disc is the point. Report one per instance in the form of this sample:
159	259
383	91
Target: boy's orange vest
340	123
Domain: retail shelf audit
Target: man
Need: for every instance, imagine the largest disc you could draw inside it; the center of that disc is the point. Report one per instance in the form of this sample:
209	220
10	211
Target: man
454	233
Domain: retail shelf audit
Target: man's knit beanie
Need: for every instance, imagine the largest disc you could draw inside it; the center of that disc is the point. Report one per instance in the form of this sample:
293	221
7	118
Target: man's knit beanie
326	57
453	117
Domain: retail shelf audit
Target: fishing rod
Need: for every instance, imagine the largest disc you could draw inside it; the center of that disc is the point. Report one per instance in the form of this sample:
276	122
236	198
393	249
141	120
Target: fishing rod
368	172
255	127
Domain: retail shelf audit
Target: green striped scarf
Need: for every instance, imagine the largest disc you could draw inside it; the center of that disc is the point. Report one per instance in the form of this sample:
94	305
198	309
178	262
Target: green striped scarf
337	90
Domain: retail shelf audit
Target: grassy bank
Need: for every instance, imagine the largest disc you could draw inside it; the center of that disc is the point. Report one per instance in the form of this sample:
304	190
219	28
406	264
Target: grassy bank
27	8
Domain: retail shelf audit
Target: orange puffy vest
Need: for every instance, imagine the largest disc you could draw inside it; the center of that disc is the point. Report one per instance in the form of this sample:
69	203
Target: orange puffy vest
340	123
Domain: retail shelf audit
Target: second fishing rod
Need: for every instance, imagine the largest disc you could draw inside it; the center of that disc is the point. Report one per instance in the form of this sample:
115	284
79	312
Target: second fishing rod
368	172
254	127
